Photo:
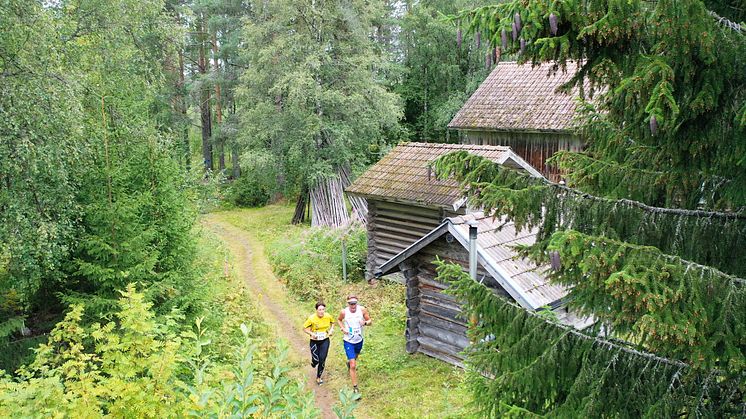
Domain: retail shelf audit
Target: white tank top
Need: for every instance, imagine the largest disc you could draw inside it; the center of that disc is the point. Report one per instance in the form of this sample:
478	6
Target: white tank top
353	326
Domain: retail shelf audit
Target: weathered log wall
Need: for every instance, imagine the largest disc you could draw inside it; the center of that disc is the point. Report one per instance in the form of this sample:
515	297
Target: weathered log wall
435	325
392	227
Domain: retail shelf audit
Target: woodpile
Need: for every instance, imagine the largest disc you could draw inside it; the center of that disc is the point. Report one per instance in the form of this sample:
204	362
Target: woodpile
328	205
359	205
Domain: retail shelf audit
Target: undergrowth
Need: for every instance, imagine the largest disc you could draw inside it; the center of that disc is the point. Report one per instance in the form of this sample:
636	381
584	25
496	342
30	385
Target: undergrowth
307	260
140	364
310	263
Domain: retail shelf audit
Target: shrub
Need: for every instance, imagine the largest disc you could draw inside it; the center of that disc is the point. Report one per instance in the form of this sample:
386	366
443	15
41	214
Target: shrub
246	191
311	264
138	367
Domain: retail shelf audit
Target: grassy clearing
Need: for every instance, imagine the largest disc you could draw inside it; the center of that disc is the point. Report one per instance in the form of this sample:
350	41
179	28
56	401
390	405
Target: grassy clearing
393	383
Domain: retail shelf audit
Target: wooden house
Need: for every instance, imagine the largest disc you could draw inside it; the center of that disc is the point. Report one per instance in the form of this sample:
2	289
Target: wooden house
405	201
519	106
434	325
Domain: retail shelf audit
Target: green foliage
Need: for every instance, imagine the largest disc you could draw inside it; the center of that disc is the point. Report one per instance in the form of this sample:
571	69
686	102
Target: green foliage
312	88
438	76
521	363
39	148
137	366
663	302
92	197
670	91
246	191
348	402
245	395
259	177
311	263
124	368
708	238
626	264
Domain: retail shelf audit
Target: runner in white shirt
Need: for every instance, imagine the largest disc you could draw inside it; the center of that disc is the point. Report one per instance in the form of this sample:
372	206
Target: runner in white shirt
351	321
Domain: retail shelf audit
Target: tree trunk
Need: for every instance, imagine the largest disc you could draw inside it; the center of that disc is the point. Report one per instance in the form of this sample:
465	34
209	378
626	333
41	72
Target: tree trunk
218	103
234	162
300	206
204	106
182	109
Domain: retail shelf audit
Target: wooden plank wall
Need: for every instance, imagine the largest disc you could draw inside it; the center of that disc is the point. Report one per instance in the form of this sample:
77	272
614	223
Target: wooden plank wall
535	148
392	227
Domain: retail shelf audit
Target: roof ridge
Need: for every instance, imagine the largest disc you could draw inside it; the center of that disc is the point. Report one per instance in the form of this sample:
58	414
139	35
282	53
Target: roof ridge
449	145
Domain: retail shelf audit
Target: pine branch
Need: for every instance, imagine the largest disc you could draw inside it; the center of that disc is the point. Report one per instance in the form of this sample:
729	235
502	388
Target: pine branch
614	179
740	214
522	358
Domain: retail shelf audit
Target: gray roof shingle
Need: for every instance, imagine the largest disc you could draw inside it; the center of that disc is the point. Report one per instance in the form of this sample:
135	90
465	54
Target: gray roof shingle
519	98
403	174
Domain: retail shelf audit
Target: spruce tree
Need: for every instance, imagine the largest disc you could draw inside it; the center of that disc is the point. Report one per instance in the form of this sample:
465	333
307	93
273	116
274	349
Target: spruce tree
648	229
312	90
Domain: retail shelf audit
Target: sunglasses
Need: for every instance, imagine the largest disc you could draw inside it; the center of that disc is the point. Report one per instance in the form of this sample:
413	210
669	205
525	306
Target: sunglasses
352	303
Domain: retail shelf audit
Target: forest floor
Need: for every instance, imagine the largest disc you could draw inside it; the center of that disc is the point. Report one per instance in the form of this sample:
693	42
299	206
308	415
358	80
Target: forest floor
393	383
271	299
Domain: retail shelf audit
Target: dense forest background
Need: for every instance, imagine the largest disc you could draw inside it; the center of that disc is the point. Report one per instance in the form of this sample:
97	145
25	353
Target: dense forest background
121	121
118	116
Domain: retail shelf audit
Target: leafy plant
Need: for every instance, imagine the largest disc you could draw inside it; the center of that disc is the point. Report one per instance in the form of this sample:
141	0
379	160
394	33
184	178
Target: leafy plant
348	401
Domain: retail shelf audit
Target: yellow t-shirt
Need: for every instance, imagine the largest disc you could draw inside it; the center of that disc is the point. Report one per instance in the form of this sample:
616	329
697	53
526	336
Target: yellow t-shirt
319	324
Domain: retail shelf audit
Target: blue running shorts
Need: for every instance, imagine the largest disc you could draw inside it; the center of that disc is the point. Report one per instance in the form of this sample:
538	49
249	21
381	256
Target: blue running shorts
352	350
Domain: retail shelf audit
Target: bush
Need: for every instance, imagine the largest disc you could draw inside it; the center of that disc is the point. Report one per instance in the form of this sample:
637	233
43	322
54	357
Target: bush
311	264
139	367
246	191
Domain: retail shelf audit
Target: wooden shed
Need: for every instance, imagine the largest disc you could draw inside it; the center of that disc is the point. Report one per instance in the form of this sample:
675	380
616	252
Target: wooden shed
519	106
434	326
405	201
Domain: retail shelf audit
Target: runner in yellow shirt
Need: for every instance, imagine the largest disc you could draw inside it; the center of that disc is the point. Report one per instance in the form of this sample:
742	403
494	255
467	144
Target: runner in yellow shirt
319	327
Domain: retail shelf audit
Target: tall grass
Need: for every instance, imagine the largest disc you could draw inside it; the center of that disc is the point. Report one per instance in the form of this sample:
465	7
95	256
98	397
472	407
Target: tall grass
310	263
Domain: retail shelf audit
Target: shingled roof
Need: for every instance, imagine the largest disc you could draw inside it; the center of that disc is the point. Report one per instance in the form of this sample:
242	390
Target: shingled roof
521	278
519	98
404	175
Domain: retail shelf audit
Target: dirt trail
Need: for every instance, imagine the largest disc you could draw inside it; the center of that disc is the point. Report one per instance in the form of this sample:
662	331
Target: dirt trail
268	295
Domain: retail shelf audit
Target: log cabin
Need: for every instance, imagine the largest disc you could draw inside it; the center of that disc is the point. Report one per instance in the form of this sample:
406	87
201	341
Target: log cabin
519	106
405	201
434	326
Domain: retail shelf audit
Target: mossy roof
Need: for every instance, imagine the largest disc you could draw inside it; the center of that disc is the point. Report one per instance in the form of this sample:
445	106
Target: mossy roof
404	173
520	98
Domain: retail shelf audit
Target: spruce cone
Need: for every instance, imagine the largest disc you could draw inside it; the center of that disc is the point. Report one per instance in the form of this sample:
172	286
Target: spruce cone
653	125
555	261
494	55
515	32
459	38
517	21
487	60
504	38
479	39
523	45
553	24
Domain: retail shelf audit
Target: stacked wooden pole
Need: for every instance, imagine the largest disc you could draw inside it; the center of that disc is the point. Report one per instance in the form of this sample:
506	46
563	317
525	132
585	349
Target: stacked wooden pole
328	205
359	205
